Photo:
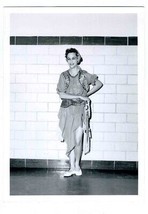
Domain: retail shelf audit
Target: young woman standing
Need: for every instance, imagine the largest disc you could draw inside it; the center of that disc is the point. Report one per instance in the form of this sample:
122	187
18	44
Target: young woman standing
74	90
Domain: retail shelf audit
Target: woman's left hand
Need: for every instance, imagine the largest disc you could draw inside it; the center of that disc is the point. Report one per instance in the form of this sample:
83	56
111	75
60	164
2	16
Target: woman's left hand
85	99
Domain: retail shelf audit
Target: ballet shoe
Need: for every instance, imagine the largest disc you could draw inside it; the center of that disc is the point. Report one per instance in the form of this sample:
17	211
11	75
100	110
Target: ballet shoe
78	172
69	173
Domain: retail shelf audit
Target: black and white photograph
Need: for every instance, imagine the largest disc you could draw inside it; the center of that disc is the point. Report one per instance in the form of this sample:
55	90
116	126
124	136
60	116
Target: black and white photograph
84	81
74	84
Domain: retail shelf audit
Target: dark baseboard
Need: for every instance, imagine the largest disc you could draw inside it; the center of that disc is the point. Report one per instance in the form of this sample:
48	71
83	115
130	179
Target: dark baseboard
64	164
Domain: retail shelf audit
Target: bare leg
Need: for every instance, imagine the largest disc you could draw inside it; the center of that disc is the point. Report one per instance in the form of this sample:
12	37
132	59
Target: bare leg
72	159
78	153
72	165
75	155
78	148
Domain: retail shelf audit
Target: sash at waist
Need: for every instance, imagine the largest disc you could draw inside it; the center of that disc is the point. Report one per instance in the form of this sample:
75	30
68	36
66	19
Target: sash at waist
68	102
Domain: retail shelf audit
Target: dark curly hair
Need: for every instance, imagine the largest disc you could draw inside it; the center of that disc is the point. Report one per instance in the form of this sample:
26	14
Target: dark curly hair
73	50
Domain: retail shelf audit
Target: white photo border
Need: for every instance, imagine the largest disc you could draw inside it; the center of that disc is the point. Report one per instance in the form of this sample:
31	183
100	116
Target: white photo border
89	204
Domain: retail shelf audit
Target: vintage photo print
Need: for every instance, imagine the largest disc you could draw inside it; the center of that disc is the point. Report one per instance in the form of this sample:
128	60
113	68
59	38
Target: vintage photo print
73	80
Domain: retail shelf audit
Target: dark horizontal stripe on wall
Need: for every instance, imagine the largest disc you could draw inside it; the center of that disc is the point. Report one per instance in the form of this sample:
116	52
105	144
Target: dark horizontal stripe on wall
116	41
72	40
26	40
12	40
93	40
48	40
133	41
64	164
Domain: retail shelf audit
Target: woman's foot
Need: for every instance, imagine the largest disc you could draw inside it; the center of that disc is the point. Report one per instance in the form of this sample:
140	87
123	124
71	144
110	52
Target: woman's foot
69	173
78	171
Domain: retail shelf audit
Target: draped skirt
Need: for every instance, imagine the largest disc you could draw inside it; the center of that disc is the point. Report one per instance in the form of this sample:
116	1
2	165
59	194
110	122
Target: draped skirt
70	119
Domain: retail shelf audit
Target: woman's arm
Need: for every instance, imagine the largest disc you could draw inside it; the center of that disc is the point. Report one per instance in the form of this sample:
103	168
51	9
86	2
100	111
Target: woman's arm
98	85
68	96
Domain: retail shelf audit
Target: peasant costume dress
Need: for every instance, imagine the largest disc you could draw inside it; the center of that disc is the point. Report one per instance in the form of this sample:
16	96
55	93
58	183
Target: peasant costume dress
72	111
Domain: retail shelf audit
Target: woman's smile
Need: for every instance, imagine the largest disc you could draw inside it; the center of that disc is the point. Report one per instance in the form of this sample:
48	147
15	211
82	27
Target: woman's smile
72	60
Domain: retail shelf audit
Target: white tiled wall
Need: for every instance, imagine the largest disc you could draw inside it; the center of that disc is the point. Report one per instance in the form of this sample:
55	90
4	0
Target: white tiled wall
34	103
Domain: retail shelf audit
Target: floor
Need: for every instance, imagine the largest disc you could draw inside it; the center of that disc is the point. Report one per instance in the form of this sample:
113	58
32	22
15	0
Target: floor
92	182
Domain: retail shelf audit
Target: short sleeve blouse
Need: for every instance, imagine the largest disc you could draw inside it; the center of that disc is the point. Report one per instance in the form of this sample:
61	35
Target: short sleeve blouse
91	78
63	85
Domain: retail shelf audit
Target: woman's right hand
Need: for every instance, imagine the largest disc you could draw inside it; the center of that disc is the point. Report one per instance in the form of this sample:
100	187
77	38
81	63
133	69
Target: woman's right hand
85	99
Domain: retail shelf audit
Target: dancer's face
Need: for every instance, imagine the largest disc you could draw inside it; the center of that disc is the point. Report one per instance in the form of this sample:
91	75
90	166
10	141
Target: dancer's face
72	60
